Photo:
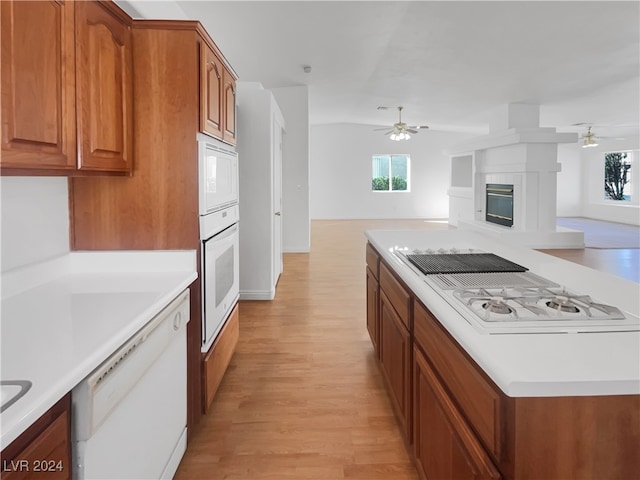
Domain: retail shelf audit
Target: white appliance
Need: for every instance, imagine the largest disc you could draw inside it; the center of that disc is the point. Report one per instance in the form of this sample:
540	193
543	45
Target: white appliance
219	233
220	266
217	174
130	414
497	296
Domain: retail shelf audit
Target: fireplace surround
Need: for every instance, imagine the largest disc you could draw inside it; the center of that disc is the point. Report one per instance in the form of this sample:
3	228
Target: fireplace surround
519	154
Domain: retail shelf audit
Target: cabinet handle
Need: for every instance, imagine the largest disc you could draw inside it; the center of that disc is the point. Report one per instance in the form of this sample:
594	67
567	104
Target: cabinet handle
177	321
278	214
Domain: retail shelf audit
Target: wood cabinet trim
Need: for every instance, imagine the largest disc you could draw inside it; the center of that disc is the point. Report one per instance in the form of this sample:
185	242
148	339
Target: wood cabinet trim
192	25
116	11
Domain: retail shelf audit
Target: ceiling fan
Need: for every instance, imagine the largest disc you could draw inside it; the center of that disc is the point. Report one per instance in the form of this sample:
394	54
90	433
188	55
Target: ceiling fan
400	130
590	139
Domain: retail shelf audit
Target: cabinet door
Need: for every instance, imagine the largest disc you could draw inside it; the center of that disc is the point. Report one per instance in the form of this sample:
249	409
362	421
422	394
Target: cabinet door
445	447
211	78
229	99
104	88
43	450
395	357
38	85
373	322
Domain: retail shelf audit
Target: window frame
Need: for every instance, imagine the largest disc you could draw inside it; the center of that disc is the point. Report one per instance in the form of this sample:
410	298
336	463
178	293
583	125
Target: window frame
390	167
632	157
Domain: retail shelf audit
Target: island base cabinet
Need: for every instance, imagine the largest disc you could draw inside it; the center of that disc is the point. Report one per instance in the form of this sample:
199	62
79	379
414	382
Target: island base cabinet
395	357
444	446
589	438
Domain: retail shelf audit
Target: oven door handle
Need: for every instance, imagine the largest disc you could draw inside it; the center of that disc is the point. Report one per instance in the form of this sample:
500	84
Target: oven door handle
228	232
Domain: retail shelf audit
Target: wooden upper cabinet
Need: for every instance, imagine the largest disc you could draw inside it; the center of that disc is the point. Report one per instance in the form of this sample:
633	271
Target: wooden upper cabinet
229	99
38	85
217	96
104	88
211	78
66	88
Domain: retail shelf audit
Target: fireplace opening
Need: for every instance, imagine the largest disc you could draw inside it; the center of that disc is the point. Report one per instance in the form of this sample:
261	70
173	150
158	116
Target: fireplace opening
499	204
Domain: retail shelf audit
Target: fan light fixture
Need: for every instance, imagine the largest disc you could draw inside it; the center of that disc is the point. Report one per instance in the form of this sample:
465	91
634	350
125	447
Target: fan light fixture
589	139
399	136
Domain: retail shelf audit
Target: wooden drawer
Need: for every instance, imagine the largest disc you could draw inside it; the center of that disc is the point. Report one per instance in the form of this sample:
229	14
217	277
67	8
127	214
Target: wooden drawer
217	359
373	261
398	296
476	397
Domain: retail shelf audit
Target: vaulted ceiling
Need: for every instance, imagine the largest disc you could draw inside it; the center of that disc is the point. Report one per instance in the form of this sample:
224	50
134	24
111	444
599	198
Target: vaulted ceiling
449	63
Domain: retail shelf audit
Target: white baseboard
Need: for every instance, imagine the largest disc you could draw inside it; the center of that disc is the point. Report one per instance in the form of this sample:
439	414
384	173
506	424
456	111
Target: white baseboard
258	294
296	250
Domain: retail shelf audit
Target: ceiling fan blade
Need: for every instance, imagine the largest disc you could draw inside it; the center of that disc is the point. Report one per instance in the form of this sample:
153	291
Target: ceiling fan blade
378	129
411	130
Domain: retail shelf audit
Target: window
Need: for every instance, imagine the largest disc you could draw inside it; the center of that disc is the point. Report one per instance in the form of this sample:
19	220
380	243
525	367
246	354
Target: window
617	176
394	167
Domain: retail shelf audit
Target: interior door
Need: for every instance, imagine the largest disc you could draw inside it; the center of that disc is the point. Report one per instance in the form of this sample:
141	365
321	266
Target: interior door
277	201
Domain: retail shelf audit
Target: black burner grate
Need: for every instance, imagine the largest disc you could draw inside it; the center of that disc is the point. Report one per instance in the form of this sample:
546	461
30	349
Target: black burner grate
463	263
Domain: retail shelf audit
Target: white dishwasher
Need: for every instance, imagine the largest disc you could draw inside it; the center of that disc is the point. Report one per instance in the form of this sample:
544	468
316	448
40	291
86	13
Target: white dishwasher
130	414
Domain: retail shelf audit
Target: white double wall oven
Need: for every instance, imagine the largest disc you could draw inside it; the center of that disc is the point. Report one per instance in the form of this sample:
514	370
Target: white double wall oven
219	216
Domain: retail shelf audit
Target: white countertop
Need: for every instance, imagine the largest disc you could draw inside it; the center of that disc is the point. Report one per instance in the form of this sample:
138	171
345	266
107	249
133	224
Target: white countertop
62	318
532	365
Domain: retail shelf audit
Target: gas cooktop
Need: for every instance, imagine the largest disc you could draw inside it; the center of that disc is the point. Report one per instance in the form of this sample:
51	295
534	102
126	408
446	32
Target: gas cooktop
510	299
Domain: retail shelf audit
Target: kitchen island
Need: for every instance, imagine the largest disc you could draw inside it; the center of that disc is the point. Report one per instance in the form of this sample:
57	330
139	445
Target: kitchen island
63	317
514	405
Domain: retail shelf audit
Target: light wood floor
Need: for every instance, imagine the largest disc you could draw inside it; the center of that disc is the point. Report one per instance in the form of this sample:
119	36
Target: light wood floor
304	397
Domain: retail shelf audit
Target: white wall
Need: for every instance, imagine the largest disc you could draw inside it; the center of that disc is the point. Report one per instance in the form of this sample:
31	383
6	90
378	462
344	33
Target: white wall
152	9
341	173
34	219
296	225
570	181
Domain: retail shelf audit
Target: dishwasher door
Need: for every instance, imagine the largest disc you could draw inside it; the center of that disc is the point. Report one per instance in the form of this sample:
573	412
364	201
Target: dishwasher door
129	416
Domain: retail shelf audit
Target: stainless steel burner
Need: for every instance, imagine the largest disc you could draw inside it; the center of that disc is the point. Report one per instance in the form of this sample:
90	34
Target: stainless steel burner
563	304
497	306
